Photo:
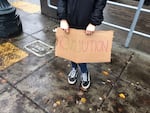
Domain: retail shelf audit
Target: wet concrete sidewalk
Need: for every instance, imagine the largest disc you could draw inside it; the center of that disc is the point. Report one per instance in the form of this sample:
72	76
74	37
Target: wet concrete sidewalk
39	84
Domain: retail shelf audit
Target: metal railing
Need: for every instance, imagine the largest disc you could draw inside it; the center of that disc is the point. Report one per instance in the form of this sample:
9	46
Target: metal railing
134	22
50	5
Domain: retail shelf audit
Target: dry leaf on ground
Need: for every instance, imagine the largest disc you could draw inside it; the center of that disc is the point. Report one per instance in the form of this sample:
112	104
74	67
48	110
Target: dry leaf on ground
105	73
121	95
83	100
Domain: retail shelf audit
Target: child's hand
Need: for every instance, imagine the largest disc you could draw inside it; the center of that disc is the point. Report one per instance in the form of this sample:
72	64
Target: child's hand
90	29
64	25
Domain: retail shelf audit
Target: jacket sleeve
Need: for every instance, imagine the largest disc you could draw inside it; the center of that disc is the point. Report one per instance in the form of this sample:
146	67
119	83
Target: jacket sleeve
97	14
61	11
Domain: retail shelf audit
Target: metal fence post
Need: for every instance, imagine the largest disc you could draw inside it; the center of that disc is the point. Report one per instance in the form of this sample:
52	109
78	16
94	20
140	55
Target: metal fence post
129	37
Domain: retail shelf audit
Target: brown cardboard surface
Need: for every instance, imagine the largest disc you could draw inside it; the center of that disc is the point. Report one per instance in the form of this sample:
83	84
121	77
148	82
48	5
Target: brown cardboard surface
81	48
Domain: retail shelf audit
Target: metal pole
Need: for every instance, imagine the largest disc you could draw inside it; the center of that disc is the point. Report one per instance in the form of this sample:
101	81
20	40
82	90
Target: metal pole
129	37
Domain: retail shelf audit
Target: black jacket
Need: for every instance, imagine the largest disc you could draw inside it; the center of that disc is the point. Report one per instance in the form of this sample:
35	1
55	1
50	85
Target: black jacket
79	13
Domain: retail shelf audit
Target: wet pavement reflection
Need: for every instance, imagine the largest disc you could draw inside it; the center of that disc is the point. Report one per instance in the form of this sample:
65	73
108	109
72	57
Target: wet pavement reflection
39	84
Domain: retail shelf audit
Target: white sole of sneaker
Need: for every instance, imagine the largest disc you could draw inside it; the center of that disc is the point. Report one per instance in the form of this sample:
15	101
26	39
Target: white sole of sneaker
72	82
86	87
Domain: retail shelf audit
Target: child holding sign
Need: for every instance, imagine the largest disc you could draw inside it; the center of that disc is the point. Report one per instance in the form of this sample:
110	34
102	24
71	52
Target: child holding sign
80	14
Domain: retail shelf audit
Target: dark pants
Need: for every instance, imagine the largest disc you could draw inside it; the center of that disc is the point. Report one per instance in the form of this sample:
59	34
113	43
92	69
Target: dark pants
83	66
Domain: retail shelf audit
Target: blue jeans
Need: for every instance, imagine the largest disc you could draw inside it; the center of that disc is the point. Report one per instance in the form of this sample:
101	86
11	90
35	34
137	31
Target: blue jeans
83	66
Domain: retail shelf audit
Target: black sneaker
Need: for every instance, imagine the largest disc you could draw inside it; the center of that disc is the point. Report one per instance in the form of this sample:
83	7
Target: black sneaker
85	82
72	76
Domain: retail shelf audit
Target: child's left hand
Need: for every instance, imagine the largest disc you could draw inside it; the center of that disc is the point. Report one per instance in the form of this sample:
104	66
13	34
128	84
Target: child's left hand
90	29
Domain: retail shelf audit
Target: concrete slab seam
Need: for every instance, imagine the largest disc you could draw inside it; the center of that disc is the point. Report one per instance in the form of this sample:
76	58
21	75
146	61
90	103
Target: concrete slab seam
13	86
125	66
2	77
34	71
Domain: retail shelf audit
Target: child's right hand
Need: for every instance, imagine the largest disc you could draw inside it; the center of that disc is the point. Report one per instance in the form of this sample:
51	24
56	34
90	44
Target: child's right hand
64	25
90	29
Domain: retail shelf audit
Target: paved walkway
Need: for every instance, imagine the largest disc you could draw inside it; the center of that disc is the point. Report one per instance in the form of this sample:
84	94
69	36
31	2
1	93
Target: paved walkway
39	85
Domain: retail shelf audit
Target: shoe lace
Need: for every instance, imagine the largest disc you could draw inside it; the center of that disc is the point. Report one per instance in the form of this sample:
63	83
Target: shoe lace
72	73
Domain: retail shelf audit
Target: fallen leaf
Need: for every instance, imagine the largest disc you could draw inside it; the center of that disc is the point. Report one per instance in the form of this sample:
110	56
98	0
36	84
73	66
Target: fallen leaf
98	109
103	83
80	93
83	100
63	100
109	69
128	62
132	84
58	102
54	105
68	65
109	81
70	98
100	98
61	74
3	81
105	73
77	102
121	95
90	109
120	110
137	83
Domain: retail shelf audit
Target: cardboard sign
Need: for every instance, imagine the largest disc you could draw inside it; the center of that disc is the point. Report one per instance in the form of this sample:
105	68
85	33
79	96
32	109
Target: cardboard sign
78	47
